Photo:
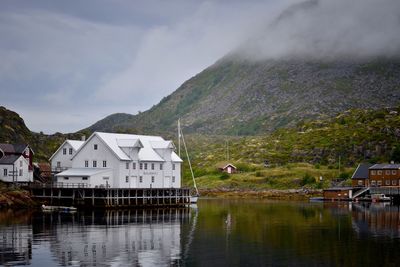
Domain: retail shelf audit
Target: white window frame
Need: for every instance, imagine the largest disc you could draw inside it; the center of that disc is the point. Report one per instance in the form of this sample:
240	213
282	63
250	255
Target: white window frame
104	163
126	179
86	164
64	151
5	172
140	179
173	166
70	151
95	147
94	163
152	179
134	165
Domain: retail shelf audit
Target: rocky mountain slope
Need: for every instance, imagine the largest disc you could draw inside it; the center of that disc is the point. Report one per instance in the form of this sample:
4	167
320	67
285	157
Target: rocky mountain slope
239	97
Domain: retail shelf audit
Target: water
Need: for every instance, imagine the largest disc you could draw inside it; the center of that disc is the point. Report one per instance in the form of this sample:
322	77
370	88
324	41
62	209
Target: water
216	233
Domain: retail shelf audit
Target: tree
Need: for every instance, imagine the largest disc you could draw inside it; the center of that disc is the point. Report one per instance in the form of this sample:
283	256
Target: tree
395	154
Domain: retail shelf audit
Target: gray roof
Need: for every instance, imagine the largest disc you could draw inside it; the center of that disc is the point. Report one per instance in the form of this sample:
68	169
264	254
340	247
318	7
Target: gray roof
83	172
362	171
9	159
385	166
13	148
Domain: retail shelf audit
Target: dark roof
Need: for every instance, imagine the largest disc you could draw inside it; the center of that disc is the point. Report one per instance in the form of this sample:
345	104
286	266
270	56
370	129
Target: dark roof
385	166
13	148
362	171
9	159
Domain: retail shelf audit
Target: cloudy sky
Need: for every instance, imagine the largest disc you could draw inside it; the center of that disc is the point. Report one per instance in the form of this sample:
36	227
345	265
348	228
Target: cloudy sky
66	64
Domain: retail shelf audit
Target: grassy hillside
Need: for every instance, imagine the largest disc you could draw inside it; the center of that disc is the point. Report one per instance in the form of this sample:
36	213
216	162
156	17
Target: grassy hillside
238	97
354	136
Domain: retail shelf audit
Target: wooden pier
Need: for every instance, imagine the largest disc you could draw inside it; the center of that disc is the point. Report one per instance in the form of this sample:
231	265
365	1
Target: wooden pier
81	195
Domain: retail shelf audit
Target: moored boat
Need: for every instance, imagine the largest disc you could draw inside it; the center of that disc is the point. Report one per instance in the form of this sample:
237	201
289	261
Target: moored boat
58	209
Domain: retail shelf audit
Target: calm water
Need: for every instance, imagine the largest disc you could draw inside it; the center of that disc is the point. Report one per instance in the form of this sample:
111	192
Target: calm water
216	233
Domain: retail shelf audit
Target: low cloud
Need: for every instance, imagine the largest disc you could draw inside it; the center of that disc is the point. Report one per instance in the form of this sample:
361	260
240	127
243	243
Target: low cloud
324	29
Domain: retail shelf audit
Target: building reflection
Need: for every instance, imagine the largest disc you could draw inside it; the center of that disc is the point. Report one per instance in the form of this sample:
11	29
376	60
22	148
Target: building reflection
134	237
15	238
378	219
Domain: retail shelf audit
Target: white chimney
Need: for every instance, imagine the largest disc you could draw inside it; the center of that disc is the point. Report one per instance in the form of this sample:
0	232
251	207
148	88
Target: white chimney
83	138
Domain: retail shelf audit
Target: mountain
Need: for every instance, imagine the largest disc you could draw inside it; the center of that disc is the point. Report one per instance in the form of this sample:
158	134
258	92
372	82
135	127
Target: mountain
236	96
14	130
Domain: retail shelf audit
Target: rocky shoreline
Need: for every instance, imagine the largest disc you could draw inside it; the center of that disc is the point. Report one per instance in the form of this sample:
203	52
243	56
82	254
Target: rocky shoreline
287	194
16	198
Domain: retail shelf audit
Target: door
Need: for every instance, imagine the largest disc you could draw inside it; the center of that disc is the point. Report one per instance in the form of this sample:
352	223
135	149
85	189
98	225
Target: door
167	182
133	182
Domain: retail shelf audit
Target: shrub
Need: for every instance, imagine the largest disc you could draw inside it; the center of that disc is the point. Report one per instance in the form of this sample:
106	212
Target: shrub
259	174
307	179
344	175
224	176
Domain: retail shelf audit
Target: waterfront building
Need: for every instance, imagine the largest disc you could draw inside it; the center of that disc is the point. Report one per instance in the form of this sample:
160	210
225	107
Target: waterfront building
16	163
121	161
227	167
360	176
384	175
61	159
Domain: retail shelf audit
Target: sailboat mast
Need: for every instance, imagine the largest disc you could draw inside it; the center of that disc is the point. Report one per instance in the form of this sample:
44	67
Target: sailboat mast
190	164
179	137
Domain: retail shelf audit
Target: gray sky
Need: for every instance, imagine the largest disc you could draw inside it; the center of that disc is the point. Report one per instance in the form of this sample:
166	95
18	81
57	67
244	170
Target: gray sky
66	64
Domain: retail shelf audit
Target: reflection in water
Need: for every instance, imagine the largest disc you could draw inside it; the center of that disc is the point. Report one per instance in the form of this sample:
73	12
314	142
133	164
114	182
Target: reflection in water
134	237
378	219
15	238
218	233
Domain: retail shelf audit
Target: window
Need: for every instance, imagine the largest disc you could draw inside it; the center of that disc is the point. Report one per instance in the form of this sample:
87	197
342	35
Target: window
152	179
173	179
64	151
360	182
394	172
141	166
127	165
373	183
58	164
127	179
145	166
394	182
387	172
373	172
387	182
86	163
94	164
140	179
161	166
95	146
104	163
66	178
20	163
379	182
70	151
5	172
173	167
152	166
379	172
84	178
20	172
134	165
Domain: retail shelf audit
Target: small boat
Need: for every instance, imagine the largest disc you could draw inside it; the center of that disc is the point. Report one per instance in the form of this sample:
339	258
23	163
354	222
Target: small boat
58	209
380	198
193	199
316	199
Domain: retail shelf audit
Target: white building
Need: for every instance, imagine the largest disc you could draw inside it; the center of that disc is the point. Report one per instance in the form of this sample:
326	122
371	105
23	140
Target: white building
16	163
121	161
61	159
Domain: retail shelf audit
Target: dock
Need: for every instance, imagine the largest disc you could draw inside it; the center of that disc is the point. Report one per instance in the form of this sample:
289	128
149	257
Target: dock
80	195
